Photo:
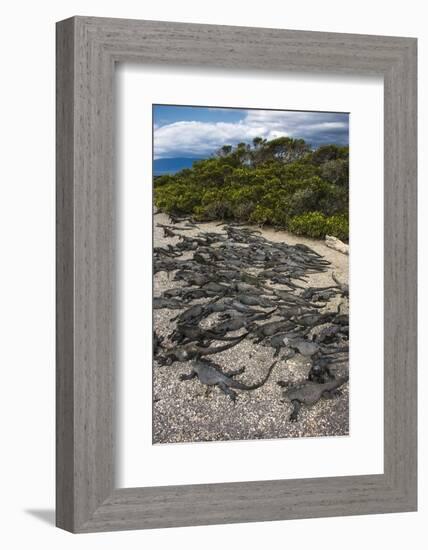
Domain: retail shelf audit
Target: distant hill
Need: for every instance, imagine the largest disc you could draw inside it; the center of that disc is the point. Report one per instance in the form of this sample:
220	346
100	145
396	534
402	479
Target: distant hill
172	165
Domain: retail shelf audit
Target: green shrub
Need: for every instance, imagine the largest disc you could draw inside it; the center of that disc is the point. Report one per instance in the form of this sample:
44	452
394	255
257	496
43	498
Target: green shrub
283	184
316	225
243	210
326	153
217	210
311	224
338	226
336	171
261	215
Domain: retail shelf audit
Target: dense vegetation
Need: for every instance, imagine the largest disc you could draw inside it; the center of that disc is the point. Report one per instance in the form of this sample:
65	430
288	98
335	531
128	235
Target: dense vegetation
281	182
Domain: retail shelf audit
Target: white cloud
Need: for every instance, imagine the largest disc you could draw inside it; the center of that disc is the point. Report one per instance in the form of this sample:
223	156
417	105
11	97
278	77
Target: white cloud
196	138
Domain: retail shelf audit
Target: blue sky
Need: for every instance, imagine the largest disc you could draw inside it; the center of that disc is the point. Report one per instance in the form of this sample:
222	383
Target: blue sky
181	131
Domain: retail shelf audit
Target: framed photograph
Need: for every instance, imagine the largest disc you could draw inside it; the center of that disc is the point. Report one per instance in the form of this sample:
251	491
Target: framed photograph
236	274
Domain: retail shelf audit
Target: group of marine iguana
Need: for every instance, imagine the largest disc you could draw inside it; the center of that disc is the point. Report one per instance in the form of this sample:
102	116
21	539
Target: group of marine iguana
254	287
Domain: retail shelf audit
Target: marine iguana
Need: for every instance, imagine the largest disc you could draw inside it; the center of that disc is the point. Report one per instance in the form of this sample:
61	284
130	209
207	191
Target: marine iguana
168	233
293	299
282	280
309	393
192	278
324	296
310	292
164	265
289	312
307	250
196	293
157	343
243	287
304	347
173	227
313	319
173	293
344	288
241	308
209	373
269	329
215	287
192	351
230	325
320	372
279	341
327	334
168	251
238	322
249	300
194	313
193	333
159	302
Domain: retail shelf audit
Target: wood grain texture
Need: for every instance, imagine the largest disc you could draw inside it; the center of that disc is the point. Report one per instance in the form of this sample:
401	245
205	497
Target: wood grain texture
87	49
64	276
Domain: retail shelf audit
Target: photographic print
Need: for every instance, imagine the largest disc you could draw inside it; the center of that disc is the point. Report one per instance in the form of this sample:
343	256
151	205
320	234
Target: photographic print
250	274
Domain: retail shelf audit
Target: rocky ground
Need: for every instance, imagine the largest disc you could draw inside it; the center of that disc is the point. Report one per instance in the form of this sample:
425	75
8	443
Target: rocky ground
185	411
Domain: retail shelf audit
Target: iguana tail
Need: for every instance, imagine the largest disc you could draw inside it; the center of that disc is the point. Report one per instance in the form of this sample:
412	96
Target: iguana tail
218	349
343	286
336	383
335	279
240	386
213	336
264	315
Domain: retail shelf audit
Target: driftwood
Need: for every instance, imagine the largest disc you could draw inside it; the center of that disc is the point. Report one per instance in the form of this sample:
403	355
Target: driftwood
336	244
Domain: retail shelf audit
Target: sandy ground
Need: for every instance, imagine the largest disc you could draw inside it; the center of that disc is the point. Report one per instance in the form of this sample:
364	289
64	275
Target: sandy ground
186	411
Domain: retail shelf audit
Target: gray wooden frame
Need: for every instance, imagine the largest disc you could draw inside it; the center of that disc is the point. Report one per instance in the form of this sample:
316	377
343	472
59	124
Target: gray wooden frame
87	50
